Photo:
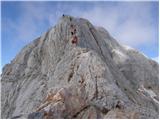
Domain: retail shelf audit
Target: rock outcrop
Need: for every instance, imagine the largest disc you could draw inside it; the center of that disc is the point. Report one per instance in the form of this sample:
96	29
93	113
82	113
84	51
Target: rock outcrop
76	70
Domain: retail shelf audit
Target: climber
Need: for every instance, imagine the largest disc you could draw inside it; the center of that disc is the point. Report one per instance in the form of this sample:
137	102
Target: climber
74	30
71	26
72	33
63	15
74	40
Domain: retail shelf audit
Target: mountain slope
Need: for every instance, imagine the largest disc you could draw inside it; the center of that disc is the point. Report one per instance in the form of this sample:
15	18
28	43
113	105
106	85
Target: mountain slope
76	70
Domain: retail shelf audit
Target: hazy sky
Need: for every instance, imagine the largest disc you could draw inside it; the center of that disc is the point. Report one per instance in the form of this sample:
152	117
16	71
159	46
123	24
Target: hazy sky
131	23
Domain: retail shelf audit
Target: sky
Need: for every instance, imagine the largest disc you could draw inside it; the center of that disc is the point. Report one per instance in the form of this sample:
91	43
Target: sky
131	23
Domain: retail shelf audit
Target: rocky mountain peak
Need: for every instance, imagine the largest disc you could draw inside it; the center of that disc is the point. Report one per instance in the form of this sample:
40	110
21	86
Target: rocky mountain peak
76	70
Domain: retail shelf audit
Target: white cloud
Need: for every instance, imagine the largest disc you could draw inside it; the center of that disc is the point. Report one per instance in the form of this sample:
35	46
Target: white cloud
130	23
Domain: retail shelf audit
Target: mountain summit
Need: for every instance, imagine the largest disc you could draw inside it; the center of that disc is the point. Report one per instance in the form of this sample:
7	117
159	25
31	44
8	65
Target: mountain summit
76	70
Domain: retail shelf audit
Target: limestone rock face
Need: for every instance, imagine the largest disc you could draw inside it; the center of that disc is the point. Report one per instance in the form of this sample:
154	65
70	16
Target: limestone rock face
76	70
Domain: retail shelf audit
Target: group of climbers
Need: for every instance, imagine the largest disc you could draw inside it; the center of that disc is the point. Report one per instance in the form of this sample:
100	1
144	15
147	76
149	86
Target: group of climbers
74	38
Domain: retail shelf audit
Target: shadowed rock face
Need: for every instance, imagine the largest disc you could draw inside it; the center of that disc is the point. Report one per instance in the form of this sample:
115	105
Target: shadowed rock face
76	70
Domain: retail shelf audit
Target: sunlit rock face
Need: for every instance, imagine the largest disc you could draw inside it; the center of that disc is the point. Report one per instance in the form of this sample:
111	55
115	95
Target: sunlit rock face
76	70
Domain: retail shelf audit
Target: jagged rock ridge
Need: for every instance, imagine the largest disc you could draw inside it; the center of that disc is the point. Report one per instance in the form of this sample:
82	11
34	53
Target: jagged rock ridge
76	70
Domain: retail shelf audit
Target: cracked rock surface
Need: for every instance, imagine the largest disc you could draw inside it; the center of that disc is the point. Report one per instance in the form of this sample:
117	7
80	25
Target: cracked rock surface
92	77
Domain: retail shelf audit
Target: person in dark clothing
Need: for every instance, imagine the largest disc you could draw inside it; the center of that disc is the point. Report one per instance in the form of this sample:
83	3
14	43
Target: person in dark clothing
72	33
71	26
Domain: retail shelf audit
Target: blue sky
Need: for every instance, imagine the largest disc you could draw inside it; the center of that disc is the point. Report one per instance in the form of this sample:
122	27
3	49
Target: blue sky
131	23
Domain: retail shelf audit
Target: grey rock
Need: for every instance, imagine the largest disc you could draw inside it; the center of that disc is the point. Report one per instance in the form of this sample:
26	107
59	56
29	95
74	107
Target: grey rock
36	115
95	78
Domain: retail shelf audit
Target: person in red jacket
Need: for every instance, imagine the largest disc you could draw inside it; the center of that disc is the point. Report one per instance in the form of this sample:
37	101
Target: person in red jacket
75	40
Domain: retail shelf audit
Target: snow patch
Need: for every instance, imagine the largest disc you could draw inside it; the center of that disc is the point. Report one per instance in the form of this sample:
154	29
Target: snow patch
128	47
121	56
134	50
148	92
